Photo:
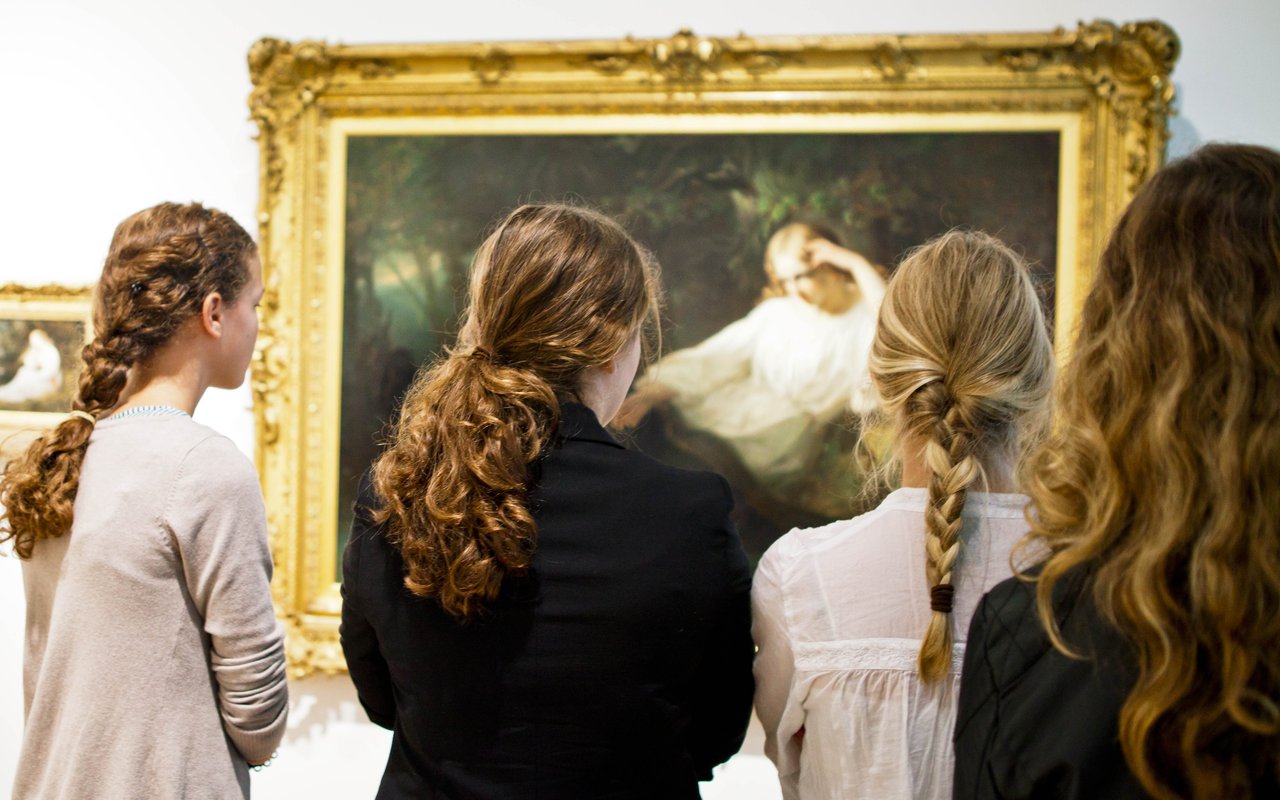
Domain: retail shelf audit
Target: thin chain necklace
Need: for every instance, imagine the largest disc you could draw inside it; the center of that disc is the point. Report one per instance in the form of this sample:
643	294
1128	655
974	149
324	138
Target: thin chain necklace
148	411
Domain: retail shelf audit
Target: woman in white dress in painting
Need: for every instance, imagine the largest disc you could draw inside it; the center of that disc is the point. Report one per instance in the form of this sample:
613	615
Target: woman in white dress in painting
769	383
39	372
860	624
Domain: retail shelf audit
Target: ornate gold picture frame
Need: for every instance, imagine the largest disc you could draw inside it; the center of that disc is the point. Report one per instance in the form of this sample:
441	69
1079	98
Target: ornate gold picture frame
42	331
1101	91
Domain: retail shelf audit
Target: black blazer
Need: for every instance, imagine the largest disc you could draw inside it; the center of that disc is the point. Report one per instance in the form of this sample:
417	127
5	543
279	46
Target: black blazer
619	668
1032	722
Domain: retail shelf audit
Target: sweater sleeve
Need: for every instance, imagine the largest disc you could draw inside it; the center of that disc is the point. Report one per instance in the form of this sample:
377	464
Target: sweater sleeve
217	521
775	669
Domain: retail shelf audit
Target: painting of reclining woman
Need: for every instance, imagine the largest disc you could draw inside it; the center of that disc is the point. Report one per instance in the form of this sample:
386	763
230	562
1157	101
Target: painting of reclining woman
758	399
39	363
775	250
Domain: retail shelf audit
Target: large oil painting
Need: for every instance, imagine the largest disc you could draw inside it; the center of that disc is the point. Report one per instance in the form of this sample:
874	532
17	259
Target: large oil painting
383	166
707	206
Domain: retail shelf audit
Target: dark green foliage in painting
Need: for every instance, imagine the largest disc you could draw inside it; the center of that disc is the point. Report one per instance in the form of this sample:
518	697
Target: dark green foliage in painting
417	207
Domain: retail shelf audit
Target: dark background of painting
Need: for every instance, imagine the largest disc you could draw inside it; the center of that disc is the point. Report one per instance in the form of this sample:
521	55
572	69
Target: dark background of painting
68	335
418	206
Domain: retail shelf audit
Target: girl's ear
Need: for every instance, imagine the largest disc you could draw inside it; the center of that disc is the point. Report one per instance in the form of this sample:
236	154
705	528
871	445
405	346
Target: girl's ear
211	313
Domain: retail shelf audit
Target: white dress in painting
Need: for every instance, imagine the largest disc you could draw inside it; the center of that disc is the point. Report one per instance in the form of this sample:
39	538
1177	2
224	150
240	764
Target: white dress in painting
39	372
769	383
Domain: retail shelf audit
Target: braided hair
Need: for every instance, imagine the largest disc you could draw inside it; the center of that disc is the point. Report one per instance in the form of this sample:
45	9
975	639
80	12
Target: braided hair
963	363
162	264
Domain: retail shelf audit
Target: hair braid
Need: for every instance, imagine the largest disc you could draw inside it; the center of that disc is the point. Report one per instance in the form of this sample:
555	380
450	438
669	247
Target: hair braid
106	372
949	453
962	361
162	264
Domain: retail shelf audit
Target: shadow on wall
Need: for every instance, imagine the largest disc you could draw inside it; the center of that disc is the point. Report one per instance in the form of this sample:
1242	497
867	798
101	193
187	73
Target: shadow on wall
330	748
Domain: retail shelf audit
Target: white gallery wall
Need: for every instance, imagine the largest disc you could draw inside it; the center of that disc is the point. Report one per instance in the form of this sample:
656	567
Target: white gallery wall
111	106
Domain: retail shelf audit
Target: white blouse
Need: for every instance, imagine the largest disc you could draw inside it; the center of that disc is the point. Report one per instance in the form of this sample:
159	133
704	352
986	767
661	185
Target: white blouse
838	616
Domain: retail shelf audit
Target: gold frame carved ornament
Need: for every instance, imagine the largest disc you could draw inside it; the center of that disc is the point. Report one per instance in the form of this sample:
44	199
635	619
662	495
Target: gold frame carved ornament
1105	88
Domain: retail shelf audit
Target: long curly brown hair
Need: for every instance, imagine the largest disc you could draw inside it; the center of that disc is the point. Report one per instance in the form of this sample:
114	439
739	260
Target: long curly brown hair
555	290
963	364
1161	482
162	264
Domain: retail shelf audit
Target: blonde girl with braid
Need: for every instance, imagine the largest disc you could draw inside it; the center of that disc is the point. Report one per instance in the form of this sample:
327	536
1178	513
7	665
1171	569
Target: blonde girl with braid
861	624
154	665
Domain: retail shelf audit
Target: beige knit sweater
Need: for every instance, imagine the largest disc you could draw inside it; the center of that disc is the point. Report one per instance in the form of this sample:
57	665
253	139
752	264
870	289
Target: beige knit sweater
154	664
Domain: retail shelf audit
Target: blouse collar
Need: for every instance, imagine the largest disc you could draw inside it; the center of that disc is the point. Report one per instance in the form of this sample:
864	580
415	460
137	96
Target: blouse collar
913	498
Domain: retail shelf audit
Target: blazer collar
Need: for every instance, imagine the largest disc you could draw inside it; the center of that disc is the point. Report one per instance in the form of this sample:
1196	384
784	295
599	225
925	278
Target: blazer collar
579	422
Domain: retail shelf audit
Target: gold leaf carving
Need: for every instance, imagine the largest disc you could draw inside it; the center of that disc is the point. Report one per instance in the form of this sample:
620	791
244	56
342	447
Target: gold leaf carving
685	57
1129	66
380	68
285	74
270	363
310	649
611	64
492	65
1135	53
287	79
762	62
50	291
893	61
1022	60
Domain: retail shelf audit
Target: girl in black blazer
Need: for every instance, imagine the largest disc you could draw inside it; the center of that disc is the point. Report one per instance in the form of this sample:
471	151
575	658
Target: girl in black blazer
534	610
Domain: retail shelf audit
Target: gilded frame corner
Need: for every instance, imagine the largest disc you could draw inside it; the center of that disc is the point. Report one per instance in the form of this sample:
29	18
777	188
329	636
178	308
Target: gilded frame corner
1105	87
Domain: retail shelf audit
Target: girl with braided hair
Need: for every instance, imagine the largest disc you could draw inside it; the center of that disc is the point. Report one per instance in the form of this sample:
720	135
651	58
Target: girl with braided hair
860	623
154	664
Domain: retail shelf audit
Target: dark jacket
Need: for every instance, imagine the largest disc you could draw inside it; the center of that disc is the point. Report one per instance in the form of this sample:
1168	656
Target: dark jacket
620	667
1033	722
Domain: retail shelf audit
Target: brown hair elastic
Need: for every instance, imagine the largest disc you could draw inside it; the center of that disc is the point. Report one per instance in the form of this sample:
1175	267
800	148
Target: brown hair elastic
941	597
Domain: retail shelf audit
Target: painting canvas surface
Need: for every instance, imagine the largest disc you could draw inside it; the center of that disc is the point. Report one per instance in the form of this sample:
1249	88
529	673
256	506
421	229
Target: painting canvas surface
39	363
417	207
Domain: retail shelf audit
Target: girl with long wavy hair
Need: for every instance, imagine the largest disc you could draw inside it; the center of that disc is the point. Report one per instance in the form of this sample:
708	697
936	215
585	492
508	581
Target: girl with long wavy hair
154	664
532	609
859	622
1142	658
